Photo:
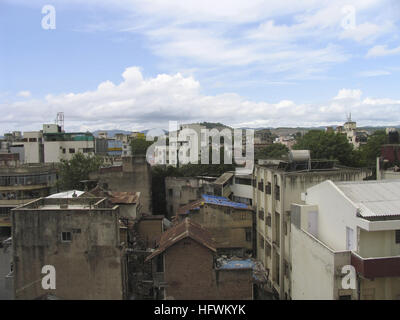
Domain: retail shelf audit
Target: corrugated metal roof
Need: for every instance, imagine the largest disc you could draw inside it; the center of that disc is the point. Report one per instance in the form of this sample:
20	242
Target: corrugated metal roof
238	264
222	201
374	198
182	230
224	178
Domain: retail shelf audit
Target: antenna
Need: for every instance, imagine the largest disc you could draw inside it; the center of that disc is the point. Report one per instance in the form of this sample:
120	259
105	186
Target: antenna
60	120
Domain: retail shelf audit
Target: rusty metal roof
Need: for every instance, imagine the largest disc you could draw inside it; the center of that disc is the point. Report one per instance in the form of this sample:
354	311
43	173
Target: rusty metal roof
116	197
195	205
124	197
182	230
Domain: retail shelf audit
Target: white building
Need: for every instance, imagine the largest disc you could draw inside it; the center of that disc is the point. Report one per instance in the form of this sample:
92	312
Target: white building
347	224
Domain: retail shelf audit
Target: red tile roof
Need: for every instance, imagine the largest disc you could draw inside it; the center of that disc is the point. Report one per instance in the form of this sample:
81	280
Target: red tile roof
182	230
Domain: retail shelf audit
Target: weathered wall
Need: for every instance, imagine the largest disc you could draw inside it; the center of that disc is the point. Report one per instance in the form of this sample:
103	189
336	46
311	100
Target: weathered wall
227	225
88	267
134	176
190	275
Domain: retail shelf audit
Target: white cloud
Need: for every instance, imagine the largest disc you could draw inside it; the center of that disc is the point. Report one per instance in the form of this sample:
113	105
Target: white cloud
25	94
374	73
382	50
348	94
138	103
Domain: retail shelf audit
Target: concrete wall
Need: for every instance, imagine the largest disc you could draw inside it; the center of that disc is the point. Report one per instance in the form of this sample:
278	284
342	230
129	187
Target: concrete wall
6	284
88	267
227	225
53	150
190	275
134	176
316	268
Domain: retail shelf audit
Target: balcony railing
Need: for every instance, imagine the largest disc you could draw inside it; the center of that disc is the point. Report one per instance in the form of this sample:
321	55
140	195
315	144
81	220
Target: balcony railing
376	267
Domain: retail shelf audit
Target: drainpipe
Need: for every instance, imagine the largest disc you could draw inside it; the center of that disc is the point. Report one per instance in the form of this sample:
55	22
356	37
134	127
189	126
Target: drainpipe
378	170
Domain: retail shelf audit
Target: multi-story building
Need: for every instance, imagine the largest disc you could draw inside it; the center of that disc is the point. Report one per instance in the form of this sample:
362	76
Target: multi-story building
184	267
52	144
230	223
180	191
80	238
346	226
134	175
278	184
19	185
355	136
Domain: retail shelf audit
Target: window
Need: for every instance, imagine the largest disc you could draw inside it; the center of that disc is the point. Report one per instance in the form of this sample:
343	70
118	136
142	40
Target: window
170	191
160	263
345	297
248	235
243	181
277	193
66	236
261	242
261	185
261	214
268	250
397	236
268	220
71	150
268	188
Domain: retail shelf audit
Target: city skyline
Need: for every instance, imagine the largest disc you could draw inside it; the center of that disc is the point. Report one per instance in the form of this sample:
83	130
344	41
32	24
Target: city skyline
132	65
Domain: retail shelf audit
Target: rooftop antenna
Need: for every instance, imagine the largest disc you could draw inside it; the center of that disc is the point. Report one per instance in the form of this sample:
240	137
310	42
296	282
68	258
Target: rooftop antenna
60	120
348	116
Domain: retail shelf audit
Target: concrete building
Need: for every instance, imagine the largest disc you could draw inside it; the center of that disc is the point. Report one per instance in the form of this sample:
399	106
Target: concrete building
22	184
229	222
80	237
238	188
52	144
180	191
347	224
134	175
355	136
276	185
184	268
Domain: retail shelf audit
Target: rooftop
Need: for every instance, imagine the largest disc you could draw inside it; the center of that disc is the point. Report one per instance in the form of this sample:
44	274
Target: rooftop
64	204
180	231
67	194
214	200
375	198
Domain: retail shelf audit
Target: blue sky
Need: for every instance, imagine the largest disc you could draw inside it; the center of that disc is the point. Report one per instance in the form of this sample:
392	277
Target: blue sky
133	65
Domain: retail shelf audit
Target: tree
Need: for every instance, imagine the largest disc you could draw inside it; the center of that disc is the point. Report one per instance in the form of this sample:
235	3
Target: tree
372	149
273	151
329	146
72	172
139	146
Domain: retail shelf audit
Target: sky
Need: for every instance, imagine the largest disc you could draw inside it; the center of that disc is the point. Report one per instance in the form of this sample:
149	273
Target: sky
135	65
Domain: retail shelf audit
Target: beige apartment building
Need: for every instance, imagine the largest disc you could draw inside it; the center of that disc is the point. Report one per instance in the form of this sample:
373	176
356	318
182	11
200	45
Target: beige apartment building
276	185
352	225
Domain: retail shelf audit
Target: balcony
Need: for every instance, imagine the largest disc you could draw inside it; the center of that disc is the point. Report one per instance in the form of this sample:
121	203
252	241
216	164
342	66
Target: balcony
376	267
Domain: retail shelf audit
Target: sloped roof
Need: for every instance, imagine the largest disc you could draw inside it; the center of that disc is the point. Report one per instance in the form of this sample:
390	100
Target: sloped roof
195	205
116	197
222	201
375	198
124	197
182	230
